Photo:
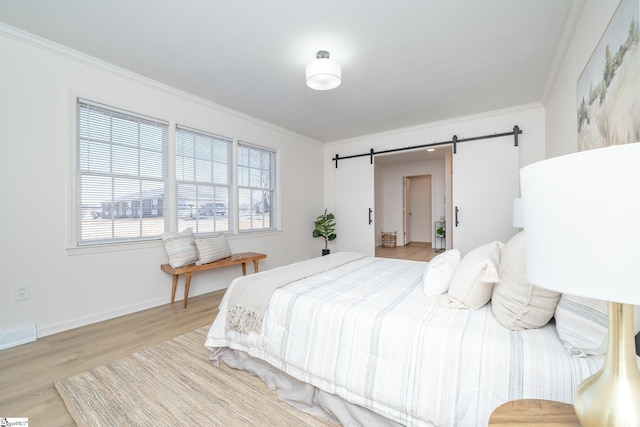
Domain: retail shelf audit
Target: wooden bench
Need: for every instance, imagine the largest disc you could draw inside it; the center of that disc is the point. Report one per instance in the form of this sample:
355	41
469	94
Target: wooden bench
242	258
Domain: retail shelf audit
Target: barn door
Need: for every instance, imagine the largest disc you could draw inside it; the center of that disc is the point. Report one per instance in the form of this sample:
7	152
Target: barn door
485	182
355	228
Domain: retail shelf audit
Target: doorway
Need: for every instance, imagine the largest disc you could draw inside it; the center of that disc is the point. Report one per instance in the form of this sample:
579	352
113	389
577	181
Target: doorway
411	209
417	208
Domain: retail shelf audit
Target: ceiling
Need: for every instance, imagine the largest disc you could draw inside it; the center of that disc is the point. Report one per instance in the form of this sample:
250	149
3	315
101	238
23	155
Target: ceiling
404	63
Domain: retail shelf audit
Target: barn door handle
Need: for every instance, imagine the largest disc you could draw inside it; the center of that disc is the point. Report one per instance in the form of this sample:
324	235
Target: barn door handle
457	222
370	212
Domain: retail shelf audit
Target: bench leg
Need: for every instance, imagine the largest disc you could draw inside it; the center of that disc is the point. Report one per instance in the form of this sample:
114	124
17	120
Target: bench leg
255	265
244	268
174	286
187	283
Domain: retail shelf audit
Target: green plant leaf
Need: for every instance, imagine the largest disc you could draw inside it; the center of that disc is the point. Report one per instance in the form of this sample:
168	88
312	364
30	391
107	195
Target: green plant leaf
325	227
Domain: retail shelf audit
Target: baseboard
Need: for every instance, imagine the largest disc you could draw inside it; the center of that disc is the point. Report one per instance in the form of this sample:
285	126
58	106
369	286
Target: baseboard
99	317
45	330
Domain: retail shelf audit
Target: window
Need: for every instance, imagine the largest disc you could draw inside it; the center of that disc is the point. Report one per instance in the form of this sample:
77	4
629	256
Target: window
256	188
203	179
124	192
120	175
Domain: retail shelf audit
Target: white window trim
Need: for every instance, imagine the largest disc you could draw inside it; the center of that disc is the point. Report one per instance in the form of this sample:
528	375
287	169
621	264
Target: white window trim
72	97
277	188
232	220
162	178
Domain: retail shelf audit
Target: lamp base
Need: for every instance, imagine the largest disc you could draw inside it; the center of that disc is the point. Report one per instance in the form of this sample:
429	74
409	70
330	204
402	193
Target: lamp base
611	397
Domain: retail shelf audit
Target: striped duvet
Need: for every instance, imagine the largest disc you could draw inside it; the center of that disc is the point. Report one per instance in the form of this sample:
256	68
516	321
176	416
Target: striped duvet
366	332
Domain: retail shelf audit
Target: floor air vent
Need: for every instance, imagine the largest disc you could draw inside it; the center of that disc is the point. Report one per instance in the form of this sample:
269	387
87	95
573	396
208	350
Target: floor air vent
13	337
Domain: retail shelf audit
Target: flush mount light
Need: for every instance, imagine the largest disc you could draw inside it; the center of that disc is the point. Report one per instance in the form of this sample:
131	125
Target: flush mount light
323	73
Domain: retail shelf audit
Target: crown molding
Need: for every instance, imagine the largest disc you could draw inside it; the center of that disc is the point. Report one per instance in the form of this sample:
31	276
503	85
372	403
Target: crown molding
88	60
436	124
570	25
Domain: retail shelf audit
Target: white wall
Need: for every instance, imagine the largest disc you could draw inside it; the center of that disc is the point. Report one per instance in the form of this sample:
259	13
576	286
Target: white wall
70	288
561	105
530	118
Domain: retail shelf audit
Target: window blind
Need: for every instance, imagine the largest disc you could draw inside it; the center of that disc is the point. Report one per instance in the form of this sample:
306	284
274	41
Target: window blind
121	174
203	178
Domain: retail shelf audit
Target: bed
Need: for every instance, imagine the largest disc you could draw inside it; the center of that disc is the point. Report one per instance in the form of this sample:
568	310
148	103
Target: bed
358	340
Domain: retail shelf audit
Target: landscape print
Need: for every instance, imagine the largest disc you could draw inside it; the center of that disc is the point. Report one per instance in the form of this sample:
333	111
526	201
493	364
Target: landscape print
608	90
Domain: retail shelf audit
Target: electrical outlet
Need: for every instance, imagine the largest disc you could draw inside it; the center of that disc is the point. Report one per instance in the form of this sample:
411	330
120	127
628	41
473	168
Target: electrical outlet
22	292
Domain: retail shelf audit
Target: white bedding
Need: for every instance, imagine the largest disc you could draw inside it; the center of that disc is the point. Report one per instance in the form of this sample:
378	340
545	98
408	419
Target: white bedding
366	332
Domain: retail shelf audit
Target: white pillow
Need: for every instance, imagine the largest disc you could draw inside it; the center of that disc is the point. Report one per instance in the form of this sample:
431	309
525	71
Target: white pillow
475	276
439	272
180	248
211	248
516	303
582	324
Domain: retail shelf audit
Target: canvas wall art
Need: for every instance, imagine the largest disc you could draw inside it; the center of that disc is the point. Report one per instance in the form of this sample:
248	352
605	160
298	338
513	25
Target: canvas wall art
608	90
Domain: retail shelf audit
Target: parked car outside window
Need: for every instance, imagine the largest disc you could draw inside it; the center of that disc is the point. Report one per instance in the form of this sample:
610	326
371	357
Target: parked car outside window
213	209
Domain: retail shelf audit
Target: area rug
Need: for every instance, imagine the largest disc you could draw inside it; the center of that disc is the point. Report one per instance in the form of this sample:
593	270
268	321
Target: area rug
175	384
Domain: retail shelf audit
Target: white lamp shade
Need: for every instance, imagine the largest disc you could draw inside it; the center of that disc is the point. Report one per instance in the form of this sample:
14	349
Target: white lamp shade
582	221
323	74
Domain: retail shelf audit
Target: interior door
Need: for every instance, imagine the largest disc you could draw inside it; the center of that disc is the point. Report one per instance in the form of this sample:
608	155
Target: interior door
485	181
355	228
421	225
406	209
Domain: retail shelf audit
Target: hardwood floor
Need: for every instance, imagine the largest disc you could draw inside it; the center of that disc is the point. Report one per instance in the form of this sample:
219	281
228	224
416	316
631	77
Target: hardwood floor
416	251
28	372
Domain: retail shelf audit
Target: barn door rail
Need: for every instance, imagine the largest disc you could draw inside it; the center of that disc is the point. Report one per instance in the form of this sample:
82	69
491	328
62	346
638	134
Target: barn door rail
454	141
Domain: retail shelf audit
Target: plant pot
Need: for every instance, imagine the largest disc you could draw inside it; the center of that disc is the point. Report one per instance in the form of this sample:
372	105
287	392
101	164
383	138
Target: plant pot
326	252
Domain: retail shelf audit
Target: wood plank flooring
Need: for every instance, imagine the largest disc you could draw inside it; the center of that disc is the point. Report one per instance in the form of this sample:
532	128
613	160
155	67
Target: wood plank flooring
28	372
416	251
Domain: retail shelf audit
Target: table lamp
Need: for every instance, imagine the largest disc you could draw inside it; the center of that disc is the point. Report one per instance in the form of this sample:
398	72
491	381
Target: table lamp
581	215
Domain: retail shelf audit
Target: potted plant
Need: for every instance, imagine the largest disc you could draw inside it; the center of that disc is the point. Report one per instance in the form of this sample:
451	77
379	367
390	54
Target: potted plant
440	231
325	227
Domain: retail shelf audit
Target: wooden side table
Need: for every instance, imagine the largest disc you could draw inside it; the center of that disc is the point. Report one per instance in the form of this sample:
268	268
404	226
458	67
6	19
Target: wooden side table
534	412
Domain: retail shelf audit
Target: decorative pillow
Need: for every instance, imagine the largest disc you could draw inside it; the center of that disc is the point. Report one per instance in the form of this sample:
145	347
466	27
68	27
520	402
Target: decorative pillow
582	324
179	248
211	248
516	303
475	276
439	272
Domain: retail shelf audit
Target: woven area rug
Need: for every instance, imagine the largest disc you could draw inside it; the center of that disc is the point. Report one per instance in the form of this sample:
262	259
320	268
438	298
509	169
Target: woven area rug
175	384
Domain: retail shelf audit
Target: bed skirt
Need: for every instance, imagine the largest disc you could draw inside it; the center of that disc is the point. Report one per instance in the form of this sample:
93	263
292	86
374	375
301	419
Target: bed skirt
301	395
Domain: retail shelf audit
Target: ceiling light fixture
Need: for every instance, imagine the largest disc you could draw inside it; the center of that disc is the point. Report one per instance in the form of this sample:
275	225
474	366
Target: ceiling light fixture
323	73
